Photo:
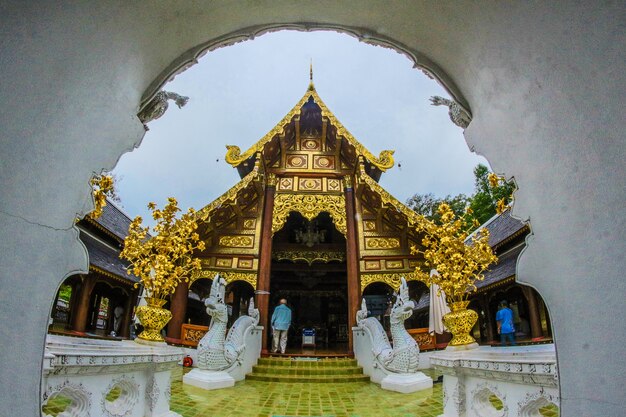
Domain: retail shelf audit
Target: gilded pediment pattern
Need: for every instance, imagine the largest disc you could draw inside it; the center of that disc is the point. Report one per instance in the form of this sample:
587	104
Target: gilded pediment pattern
309	206
229	276
331	128
309	256
230	225
309	184
391	279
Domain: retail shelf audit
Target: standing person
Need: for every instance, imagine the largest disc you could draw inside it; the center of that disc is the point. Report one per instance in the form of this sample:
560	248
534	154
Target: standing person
506	330
281	319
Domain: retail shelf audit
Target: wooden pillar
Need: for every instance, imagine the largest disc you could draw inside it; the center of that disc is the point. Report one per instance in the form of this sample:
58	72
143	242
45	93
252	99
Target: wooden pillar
76	285
352	260
265	262
81	313
533	311
236	303
178	307
129	306
489	318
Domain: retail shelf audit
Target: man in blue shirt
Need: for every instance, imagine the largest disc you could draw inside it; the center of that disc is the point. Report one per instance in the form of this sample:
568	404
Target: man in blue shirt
281	319
504	317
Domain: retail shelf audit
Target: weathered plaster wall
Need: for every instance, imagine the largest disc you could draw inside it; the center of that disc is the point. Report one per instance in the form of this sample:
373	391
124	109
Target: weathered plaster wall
545	82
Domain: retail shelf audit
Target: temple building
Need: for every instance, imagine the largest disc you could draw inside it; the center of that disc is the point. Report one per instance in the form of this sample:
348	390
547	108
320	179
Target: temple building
101	302
309	222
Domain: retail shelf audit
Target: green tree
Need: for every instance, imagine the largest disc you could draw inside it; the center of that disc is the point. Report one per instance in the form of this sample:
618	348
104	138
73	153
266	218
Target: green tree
483	204
426	205
487	193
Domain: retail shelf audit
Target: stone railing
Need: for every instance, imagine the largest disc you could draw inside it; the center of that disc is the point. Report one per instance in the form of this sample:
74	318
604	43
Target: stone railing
108	378
499	382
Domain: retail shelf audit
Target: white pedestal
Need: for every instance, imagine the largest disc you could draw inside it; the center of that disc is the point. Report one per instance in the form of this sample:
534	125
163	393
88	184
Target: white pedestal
208	380
406	383
462	348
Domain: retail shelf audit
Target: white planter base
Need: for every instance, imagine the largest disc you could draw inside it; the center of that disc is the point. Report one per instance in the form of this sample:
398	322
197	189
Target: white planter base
406	383
461	348
208	380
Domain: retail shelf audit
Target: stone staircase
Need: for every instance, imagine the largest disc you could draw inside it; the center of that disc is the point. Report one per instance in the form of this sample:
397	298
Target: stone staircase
316	370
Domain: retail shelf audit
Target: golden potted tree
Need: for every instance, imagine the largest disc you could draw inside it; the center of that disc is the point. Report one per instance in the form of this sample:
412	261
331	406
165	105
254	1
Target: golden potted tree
161	258
460	262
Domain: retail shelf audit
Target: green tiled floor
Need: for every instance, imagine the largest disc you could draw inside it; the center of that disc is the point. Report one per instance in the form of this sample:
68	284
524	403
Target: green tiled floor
270	399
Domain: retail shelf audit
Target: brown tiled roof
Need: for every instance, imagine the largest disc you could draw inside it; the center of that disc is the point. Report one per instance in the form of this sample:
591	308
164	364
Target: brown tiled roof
502	227
114	220
105	258
504	269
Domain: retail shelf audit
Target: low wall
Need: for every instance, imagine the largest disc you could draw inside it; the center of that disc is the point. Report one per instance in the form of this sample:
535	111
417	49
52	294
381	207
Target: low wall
135	378
498	382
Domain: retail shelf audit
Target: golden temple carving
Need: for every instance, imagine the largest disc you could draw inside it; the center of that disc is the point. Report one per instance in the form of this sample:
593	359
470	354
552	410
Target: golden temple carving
237	241
382	243
229	276
271	179
412	217
391	279
309	256
310	206
383	162
228	196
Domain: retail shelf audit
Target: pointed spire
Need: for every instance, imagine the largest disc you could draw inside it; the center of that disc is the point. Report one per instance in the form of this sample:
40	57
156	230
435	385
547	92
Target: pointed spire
311	86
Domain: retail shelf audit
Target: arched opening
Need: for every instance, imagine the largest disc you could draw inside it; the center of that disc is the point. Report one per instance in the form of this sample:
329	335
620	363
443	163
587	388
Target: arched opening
238	296
539	117
379	299
196	312
309	271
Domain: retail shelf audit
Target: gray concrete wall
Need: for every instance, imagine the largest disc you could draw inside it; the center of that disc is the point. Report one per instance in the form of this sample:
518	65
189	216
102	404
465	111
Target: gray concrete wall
544	80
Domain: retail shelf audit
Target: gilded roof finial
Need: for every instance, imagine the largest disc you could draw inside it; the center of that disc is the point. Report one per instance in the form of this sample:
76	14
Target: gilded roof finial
311	86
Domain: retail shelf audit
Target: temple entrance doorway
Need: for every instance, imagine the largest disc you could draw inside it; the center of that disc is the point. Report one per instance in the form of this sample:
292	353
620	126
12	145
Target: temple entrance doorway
309	271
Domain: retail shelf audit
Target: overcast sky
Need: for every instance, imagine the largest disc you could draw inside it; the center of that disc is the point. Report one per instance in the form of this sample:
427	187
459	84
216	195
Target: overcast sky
237	94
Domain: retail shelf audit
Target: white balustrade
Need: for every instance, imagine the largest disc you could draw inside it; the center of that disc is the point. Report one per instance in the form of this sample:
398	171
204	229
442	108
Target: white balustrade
499	381
108	378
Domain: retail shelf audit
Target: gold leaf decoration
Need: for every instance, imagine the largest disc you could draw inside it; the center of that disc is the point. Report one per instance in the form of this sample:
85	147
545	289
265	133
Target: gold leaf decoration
229	276
383	162
162	257
237	241
309	256
310	206
382	242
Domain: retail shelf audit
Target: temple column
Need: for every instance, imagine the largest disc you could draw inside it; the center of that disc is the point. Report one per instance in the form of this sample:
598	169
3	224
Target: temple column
352	261
533	311
484	304
178	307
81	314
128	314
265	261
236	304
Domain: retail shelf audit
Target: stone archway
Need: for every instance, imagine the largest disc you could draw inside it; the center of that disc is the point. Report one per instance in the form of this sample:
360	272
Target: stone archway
545	84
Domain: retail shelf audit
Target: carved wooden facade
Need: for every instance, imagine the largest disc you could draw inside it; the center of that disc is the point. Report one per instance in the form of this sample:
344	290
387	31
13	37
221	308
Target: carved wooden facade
311	159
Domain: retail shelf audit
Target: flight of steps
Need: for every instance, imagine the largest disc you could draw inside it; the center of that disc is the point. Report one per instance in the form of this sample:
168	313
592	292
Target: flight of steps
307	370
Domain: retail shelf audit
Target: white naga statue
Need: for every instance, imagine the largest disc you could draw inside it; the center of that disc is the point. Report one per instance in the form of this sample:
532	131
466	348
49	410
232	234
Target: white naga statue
403	357
216	350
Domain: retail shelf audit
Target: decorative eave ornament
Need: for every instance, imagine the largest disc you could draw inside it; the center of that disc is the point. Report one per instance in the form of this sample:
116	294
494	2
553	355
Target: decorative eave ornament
458	114
158	105
384	161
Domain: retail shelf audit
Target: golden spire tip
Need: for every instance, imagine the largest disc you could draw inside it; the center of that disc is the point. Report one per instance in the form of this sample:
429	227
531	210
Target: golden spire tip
311	86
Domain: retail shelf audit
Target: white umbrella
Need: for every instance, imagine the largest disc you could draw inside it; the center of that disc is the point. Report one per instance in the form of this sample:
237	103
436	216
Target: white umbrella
438	308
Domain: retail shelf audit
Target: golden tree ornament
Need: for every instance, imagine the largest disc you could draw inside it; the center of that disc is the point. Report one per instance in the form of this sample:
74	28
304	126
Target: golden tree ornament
163	257
101	184
459	263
